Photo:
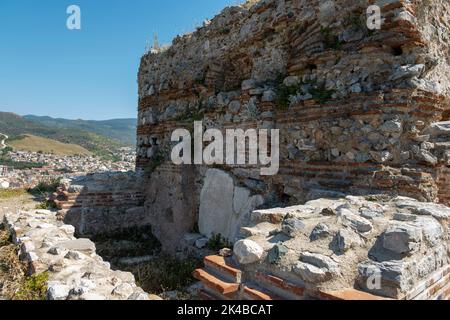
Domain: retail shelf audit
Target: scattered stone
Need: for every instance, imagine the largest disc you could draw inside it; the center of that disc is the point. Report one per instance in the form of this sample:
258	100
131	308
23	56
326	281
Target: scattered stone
309	273
345	240
56	291
248	252
225	252
292	226
329	212
321	261
73	255
352	220
319	232
404	217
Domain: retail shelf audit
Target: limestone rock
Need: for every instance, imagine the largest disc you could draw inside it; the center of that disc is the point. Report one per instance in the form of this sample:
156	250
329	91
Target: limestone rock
309	273
56	291
248	252
351	219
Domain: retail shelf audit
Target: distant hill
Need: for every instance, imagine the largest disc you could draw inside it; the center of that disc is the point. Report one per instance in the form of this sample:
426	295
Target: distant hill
14	126
39	144
123	130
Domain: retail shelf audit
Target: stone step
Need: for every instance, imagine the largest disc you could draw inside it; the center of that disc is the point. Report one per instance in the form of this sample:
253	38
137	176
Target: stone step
215	284
222	267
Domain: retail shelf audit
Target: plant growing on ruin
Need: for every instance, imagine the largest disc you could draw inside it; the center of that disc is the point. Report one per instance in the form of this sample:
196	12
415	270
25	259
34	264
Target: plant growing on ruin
33	288
46	205
331	41
321	94
45	187
166	273
217	242
157	160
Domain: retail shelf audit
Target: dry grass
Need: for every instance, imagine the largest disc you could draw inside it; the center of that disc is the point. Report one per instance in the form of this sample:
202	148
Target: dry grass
165	274
11	269
39	144
14	285
11	193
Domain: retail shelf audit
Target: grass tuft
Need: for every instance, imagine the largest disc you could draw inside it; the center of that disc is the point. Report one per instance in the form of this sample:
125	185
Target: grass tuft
166	273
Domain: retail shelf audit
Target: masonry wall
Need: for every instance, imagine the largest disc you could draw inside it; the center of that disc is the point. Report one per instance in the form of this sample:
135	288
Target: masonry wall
358	110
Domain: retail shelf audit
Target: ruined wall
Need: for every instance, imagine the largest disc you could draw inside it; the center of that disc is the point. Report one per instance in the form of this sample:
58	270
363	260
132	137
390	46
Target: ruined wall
102	203
359	111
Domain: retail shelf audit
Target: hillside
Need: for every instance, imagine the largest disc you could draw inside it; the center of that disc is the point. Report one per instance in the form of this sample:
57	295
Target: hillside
123	130
14	126
39	144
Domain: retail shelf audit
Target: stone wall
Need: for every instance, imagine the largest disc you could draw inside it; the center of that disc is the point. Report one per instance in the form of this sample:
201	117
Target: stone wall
102	203
359	111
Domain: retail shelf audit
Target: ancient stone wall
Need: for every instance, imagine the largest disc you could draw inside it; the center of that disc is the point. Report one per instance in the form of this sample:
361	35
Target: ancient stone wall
102	203
359	111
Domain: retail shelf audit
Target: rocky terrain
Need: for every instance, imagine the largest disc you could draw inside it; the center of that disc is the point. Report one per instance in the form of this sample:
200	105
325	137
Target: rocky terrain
358	209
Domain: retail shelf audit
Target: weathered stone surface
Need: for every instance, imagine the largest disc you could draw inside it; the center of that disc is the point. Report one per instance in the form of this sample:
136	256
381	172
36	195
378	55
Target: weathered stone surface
75	271
277	252
224	208
82	245
292	226
309	273
345	240
247	251
402	238
320	231
321	261
352	220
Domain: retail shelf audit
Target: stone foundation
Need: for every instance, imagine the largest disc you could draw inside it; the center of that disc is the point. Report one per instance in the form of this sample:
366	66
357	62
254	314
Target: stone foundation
353	248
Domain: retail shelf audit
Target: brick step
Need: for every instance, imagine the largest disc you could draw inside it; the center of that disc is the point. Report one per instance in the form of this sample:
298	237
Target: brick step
216	285
348	294
253	293
280	287
223	268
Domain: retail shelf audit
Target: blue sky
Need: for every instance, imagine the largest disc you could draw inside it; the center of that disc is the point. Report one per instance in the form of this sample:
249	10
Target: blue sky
46	69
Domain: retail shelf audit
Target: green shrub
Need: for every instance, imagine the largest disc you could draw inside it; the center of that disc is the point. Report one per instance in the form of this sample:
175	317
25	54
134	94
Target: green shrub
33	288
44	187
166	273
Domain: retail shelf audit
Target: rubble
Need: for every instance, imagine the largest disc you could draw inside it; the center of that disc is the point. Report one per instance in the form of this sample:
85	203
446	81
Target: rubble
74	269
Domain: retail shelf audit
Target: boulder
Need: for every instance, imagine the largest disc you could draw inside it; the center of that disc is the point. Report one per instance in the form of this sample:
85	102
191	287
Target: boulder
248	252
